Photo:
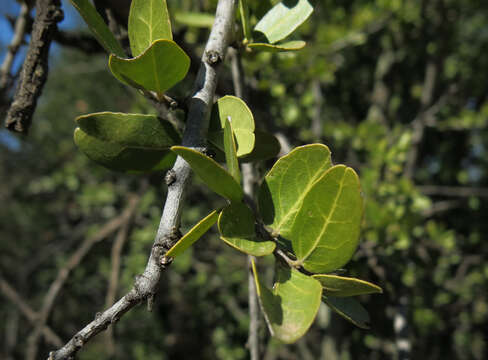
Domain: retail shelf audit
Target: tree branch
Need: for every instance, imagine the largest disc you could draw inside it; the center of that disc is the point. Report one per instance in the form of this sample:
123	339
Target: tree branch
35	68
145	285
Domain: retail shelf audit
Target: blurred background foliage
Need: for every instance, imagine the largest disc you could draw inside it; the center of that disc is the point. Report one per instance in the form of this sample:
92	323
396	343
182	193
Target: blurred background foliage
397	89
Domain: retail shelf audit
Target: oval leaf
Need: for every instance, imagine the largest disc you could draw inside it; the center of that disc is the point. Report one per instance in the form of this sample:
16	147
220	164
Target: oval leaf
158	69
148	22
288	182
266	147
339	286
98	27
281	47
283	19
325	232
121	157
236	226
145	131
195	19
292	306
350	309
212	174
193	235
242	122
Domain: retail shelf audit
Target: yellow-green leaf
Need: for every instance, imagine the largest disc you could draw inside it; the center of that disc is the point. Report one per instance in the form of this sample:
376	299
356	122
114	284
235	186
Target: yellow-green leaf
339	286
236	226
193	235
213	175
148	22
158	69
281	47
195	19
230	152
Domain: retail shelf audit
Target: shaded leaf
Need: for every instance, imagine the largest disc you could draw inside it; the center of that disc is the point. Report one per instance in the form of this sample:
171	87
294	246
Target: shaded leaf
148	22
281	47
159	68
195	19
266	147
242	122
244	14
230	152
213	175
287	183
193	235
123	157
325	232
98	27
350	309
236	226
339	286
283	19
292	306
145	131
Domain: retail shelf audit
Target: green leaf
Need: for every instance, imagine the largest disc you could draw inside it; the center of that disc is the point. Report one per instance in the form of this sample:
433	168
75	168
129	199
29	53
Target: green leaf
215	176
281	47
98	27
193	235
266	147
244	13
144	131
242	122
236	226
230	152
148	22
283	19
350	309
325	232
159	68
195	19
288	182
291	307
123	157
339	286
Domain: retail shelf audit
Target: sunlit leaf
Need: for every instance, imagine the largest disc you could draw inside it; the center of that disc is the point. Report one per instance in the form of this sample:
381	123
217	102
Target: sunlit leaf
213	175
98	27
339	286
131	159
244	14
283	19
148	22
350	309
291	307
230	152
236	226
195	19
159	68
193	235
242	122
281	47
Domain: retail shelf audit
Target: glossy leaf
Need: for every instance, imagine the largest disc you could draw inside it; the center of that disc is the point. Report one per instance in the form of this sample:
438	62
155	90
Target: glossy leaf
283	19
132	159
230	152
193	235
350	309
236	226
98	27
148	22
241	118
339	286
195	19
281	47
325	232
213	175
288	182
292	306
144	131
159	68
